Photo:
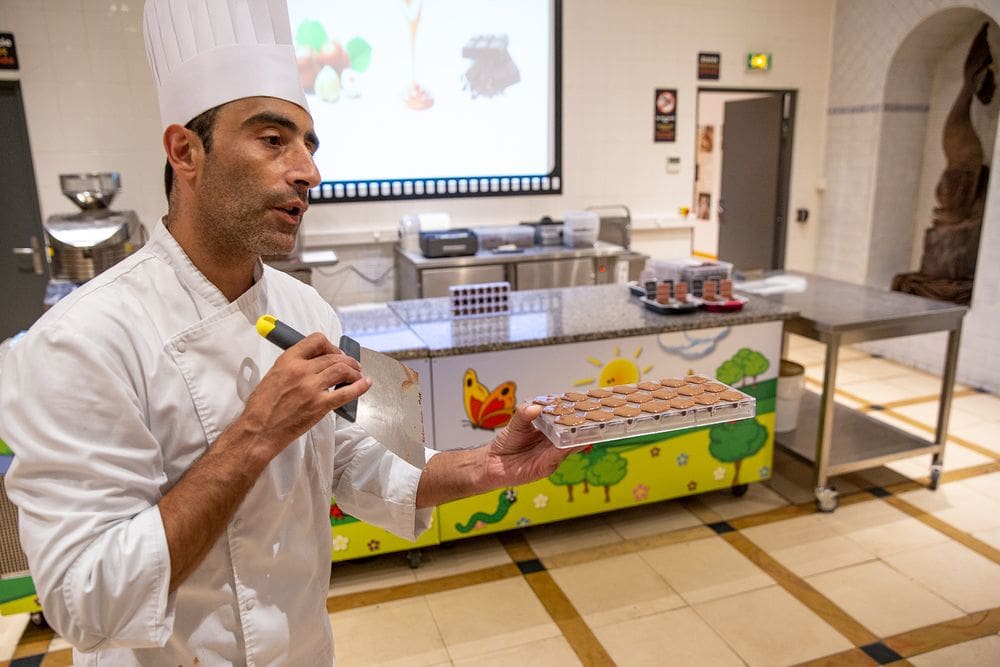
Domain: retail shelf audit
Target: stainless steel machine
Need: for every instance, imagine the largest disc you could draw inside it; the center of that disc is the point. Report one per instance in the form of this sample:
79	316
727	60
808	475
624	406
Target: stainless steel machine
83	244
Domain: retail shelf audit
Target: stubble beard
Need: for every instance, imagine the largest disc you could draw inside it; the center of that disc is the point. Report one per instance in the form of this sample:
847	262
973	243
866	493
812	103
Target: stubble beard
233	210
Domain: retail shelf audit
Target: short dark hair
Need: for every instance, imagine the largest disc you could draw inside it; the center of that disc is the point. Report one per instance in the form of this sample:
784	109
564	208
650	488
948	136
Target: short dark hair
201	125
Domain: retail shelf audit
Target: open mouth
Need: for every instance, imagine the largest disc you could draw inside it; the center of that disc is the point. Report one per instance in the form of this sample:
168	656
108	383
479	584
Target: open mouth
294	211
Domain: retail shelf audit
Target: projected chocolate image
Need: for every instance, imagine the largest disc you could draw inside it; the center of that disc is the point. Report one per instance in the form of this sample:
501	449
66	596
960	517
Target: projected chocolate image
415	97
492	70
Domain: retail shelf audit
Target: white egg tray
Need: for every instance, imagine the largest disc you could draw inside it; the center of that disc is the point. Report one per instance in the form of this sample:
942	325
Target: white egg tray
574	419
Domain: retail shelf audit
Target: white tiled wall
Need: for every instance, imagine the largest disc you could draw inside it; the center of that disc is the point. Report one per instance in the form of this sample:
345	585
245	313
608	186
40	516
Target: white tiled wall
91	106
874	155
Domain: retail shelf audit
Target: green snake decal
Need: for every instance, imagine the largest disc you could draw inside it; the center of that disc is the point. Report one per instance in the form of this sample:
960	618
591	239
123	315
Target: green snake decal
507	498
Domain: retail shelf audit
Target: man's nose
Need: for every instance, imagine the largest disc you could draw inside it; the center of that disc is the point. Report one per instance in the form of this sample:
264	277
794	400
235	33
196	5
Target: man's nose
304	170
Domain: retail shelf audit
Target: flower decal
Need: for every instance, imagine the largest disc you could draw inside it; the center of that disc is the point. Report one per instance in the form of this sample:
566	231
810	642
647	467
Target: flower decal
719	473
682	459
640	492
541	501
374	545
692	485
764	471
654	451
523	521
341	542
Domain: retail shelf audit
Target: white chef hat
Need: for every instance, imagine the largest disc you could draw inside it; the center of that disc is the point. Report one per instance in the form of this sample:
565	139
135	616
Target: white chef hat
204	53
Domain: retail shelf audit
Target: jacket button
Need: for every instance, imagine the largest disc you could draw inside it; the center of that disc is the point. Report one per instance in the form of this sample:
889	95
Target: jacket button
248	605
182	346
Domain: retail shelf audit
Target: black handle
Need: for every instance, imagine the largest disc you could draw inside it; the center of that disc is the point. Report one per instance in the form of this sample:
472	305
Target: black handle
285	336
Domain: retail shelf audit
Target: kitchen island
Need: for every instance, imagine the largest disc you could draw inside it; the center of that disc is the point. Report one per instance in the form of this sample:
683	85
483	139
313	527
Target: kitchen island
474	371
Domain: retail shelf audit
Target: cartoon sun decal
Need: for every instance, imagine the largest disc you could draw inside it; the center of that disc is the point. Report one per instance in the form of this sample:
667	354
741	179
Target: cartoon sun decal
619	370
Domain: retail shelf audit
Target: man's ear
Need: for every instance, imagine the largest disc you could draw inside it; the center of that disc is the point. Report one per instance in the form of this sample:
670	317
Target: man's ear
185	152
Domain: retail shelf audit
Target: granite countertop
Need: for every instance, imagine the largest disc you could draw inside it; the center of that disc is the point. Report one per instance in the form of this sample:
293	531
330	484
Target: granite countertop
543	317
376	327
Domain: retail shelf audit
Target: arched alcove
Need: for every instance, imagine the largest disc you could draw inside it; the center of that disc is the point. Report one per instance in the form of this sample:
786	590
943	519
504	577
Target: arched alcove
923	81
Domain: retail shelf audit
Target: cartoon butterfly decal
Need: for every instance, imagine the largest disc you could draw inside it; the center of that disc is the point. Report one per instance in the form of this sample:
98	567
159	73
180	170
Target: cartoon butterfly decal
487	409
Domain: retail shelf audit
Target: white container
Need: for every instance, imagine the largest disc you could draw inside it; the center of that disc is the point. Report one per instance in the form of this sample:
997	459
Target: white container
580	228
791	385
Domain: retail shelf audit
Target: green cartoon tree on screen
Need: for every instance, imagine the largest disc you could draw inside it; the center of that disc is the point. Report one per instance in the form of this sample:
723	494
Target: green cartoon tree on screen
734	441
745	365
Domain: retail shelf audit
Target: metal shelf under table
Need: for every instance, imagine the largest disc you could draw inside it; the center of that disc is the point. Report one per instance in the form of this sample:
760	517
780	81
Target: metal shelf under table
859	442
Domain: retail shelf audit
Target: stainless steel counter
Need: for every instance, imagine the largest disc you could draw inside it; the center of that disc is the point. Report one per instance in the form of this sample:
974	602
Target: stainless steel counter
836	313
535	267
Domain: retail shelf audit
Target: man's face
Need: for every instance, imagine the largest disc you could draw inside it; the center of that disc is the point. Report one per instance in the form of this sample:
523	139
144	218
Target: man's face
251	191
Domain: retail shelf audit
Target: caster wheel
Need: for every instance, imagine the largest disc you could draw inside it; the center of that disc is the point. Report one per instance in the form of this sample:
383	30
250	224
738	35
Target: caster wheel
827	499
38	620
414	558
740	490
935	475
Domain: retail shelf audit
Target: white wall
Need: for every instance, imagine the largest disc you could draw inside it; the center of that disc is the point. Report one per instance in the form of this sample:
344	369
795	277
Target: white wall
91	106
867	35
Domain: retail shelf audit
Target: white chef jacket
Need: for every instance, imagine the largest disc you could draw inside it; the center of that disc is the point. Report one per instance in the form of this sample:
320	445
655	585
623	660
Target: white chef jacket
108	400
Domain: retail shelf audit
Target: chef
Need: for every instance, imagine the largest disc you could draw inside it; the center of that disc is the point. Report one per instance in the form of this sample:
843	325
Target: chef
173	470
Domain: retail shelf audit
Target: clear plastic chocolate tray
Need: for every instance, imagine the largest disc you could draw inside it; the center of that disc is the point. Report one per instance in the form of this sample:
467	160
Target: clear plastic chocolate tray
583	418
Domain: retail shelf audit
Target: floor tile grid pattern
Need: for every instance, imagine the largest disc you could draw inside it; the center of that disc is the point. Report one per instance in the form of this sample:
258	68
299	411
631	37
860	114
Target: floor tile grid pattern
34	642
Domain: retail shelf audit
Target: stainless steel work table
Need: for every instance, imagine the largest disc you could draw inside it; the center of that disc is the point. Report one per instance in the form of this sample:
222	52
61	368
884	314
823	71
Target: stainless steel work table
839	313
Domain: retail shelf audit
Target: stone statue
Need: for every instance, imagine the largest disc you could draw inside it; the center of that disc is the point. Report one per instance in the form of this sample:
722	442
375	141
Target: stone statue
951	244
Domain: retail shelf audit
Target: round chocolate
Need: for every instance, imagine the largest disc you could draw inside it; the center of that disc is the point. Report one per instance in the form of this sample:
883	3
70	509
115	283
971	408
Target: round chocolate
664	394
570	420
599	393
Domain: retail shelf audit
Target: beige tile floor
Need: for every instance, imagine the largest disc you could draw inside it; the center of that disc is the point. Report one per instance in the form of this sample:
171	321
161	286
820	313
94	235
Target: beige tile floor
901	569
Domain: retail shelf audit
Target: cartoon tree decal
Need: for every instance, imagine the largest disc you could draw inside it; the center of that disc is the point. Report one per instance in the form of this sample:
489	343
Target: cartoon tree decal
734	441
729	372
753	363
746	364
572	470
606	471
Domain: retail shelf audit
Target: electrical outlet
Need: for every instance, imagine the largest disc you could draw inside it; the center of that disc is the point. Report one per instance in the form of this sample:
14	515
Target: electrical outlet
673	165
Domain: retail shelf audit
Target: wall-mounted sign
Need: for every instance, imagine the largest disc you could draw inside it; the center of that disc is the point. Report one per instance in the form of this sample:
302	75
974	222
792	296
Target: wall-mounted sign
709	65
759	61
8	54
665	115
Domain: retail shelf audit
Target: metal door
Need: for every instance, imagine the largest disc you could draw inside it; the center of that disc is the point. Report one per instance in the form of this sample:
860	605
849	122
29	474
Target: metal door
23	271
435	282
555	273
749	234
